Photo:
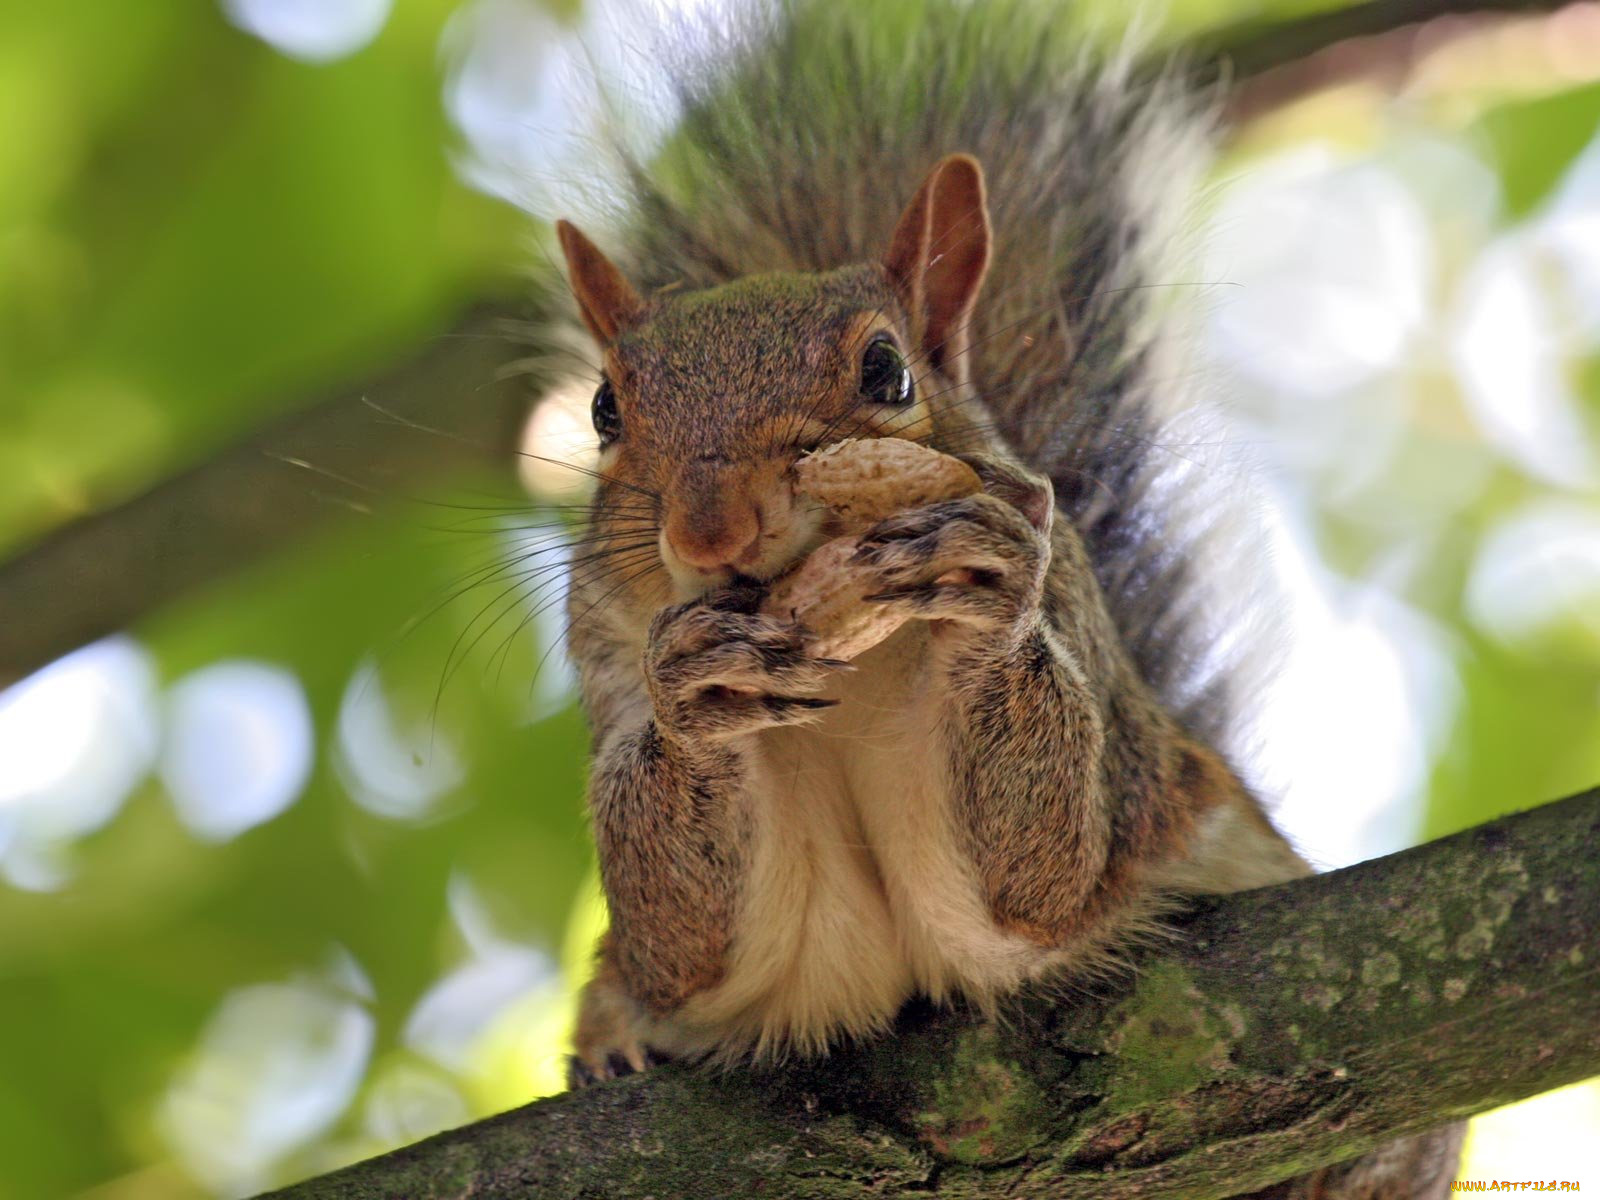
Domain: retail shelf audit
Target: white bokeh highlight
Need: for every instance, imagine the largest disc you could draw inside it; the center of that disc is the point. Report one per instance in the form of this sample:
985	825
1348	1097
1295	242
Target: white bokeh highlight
510	93
540	102
275	1066
559	451
1359	708
1512	354
1335	266
1331	260
497	973
316	31
1569	226
75	738
395	769
1539	568
239	746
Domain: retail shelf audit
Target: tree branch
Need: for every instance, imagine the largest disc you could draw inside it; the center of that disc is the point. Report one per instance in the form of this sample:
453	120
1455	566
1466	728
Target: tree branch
101	573
1266	64
1256	46
1287	1028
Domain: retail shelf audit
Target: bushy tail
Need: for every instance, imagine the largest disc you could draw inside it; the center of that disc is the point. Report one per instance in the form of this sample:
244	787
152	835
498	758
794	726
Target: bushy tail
795	153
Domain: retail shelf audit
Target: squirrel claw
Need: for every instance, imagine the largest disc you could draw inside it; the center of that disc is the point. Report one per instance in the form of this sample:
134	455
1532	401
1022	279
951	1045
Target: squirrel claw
799	702
717	672
920	599
614	1064
978	561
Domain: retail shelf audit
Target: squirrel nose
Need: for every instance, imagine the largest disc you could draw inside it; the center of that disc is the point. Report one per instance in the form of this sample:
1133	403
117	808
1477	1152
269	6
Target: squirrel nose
709	538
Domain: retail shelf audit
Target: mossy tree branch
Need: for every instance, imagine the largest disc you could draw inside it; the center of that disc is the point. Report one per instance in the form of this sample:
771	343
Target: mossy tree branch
1283	1029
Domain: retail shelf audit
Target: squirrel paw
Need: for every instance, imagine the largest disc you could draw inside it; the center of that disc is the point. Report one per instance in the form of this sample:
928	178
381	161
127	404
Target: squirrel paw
598	1064
610	1040
978	561
717	668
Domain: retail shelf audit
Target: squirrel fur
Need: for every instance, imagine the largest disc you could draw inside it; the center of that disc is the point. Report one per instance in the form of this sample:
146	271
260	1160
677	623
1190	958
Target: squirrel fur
1018	783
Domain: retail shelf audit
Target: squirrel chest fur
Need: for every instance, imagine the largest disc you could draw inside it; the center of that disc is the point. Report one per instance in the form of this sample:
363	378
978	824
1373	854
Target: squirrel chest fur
859	892
858	876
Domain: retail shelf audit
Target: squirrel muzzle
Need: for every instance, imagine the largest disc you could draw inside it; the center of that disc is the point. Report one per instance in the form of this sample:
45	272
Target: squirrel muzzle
725	519
713	523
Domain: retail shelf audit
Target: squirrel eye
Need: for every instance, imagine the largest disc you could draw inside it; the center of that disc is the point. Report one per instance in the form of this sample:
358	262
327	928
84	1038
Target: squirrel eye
885	377
607	420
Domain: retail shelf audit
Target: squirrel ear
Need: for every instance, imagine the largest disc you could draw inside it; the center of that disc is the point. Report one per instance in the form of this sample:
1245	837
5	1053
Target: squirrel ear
606	300
937	258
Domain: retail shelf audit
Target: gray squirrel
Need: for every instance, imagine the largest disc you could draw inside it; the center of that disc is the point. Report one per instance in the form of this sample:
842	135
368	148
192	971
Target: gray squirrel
940	222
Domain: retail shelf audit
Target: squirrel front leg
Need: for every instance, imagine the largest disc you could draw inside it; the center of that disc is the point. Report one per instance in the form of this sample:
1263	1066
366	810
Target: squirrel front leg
668	796
1066	778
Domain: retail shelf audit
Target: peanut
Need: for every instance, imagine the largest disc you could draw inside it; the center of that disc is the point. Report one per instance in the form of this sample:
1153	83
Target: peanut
864	482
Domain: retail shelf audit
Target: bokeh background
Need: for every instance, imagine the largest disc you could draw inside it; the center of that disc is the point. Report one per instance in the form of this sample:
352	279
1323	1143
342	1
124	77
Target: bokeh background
292	860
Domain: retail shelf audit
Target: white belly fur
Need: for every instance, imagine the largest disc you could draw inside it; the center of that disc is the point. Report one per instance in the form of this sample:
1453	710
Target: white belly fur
859	894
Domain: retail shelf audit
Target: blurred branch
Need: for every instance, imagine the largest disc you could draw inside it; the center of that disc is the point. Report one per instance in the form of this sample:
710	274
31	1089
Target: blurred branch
1268	63
1290	1027
103	572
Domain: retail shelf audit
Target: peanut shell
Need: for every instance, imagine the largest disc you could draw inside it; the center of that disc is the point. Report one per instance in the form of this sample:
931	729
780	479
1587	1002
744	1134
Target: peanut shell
864	482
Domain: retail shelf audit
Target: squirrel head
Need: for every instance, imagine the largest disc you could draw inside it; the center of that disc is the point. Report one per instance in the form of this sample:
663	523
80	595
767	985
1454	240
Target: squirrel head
708	397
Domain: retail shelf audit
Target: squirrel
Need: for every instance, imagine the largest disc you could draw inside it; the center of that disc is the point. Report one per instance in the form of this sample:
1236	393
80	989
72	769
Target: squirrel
938	222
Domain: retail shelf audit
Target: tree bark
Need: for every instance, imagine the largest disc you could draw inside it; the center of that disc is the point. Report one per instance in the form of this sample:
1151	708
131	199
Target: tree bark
1278	1030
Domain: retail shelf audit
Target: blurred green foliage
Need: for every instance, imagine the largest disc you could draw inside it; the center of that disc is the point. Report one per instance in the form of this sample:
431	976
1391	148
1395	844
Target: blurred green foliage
196	230
198	234
1532	142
